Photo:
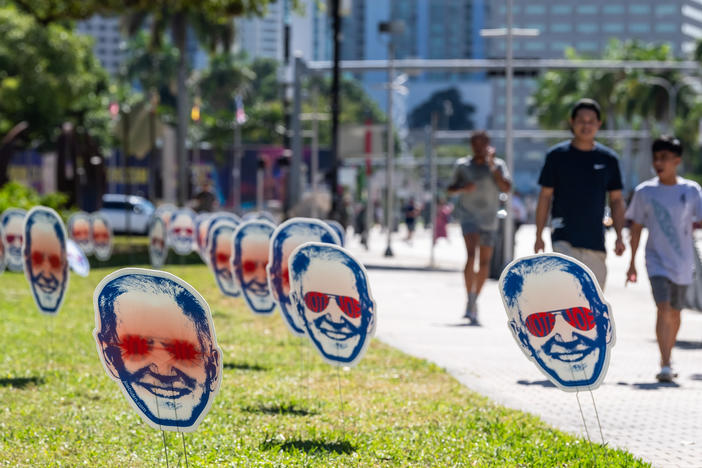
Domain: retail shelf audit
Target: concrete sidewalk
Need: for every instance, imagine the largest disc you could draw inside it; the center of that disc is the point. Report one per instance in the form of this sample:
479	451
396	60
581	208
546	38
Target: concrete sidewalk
420	313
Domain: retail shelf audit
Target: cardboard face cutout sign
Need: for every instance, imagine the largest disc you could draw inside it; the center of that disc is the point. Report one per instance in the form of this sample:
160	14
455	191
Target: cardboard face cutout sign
249	261
201	226
45	258
2	251
338	229
261	215
165	212
79	228
158	250
559	318
330	292
220	257
181	231
218	216
102	237
12	224
77	259
155	338
288	236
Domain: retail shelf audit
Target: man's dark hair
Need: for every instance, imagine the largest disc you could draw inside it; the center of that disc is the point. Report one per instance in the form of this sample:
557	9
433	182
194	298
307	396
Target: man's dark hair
667	143
477	134
586	103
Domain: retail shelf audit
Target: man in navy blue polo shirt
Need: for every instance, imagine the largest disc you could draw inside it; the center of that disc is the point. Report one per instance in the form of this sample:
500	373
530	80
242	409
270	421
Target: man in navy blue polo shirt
577	177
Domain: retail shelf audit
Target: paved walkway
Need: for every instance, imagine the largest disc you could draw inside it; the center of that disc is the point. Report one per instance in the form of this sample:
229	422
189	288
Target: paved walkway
420	314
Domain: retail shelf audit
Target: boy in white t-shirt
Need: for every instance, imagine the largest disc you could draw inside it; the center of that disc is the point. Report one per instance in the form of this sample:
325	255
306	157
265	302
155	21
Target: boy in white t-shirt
667	206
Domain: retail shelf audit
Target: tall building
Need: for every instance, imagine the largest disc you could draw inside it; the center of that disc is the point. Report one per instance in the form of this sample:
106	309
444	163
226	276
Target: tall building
108	40
433	29
587	27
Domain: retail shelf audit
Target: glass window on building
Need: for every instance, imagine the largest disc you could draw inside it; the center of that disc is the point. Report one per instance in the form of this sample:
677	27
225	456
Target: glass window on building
613	28
639	27
613	9
559	46
561	27
586	27
665	27
586	46
640	9
535	10
534	46
561	9
666	10
586	9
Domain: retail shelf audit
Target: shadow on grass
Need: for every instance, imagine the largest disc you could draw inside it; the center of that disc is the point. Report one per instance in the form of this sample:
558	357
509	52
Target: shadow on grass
243	366
309	446
284	408
20	382
541	383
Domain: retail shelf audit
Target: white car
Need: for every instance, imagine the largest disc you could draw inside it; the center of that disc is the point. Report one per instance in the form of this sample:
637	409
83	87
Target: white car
118	209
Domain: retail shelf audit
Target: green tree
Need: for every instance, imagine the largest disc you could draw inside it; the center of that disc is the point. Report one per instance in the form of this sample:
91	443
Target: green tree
628	98
48	76
454	114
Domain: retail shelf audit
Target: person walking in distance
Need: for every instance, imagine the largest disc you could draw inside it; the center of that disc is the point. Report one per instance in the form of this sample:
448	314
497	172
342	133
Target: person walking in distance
478	181
575	180
667	206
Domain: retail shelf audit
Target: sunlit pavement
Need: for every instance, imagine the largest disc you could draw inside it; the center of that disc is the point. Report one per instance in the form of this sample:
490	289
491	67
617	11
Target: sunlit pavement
420	313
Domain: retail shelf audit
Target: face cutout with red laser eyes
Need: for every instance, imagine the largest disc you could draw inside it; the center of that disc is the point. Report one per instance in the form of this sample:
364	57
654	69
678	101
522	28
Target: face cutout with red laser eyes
79	228
330	292
220	257
45	258
12	223
158	251
286	238
559	318
155	337
181	231
102	237
249	262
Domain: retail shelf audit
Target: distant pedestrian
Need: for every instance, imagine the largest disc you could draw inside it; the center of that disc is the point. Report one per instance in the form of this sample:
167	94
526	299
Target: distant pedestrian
443	215
667	206
577	176
411	210
478	181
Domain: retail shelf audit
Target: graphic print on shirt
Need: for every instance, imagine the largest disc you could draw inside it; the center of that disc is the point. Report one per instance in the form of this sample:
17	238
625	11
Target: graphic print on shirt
667	226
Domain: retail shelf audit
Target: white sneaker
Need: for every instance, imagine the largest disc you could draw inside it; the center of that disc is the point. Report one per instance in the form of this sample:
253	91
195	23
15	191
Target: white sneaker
666	374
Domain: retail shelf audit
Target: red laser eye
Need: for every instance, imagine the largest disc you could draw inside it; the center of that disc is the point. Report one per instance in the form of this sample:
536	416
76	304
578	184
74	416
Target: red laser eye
11	238
54	261
188	232
349	306
37	258
541	323
249	266
316	301
134	346
222	258
182	350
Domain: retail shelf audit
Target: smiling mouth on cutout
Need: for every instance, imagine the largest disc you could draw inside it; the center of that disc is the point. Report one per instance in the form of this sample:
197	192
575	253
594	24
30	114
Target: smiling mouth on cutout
171	391
47	285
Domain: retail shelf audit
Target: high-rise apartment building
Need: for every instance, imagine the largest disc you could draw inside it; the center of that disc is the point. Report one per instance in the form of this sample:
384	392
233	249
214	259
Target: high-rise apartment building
587	27
108	40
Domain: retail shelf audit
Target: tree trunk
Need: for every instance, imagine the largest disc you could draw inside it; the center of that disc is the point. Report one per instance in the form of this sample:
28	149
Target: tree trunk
7	149
179	37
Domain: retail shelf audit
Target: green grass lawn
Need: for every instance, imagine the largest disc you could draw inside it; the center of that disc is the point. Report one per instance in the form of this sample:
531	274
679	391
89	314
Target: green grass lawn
59	408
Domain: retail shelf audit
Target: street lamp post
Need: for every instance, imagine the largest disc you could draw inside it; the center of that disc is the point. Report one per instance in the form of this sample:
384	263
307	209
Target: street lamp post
672	90
390	27
509	33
